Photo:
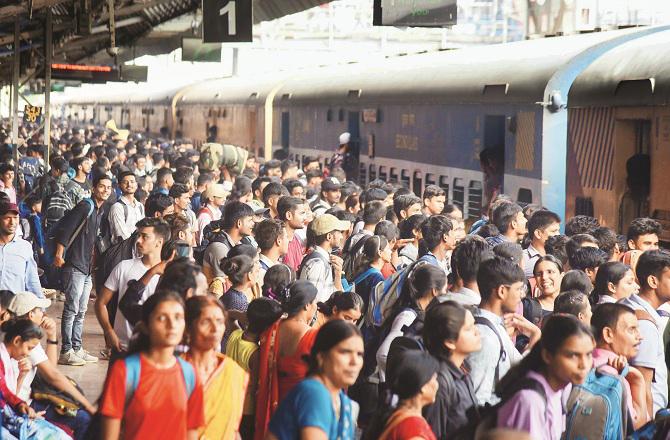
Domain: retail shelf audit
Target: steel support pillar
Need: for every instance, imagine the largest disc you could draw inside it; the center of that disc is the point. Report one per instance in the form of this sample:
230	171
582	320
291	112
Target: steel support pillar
48	49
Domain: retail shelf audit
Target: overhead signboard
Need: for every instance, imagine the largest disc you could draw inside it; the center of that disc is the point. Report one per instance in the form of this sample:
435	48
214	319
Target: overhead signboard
87	73
193	49
417	13
32	114
227	21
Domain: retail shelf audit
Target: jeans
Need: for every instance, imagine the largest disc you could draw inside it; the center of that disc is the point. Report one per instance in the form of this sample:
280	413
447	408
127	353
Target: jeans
77	287
78	424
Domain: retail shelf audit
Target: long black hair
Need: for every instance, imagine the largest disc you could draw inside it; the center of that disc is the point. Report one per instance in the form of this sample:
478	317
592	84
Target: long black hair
555	331
443	322
369	253
610	272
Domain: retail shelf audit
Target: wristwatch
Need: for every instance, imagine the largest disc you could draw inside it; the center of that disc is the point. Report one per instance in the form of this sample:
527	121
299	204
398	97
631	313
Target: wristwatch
53	342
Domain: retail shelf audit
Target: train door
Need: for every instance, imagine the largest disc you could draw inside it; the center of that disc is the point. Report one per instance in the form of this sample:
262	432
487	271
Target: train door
354	146
632	170
285	130
494	166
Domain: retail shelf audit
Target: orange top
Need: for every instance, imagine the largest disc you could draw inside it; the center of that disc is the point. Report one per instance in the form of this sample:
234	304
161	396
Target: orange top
293	369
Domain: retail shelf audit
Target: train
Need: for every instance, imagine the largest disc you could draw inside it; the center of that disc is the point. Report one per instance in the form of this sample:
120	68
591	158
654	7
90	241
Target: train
424	118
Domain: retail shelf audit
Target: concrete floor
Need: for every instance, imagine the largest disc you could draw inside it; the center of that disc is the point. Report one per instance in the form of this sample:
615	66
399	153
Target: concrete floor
90	377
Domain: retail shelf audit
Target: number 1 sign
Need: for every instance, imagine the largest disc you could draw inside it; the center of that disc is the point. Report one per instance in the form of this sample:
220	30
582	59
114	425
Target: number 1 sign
227	21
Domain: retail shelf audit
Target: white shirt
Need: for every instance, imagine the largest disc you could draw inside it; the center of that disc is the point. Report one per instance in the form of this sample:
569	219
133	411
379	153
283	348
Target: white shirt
36	356
121	226
265	264
530	257
117	281
320	274
207	215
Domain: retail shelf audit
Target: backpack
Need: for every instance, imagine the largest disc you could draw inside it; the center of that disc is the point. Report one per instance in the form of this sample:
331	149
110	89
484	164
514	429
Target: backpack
106	262
484	321
133	369
350	257
309	257
489	414
62	402
57	204
597	408
385	294
66	219
212	233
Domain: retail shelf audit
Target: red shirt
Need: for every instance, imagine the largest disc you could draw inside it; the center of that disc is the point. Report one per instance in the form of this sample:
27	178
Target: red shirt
411	427
295	254
159	407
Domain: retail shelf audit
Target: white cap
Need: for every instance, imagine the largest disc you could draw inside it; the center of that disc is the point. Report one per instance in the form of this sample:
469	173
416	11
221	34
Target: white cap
345	138
24	302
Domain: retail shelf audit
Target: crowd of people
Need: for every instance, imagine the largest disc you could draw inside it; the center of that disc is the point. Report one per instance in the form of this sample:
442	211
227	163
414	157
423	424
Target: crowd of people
281	300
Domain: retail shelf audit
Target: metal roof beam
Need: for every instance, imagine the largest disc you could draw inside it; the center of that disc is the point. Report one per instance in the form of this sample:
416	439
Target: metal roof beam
14	10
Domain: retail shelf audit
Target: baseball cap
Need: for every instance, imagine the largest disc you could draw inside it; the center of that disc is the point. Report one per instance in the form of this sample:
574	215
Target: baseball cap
345	138
331	184
24	302
326	223
8	207
216	190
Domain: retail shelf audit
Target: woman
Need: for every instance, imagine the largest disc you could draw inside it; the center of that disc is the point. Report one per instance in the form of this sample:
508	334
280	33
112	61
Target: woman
548	272
283	347
424	283
614	281
224	381
347	306
242	347
576	280
167	401
563	356
415	384
276	279
241	273
21	336
368	265
450	335
219	285
318	408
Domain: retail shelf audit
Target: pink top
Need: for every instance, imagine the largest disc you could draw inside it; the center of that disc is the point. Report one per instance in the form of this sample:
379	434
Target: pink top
295	254
526	411
600	358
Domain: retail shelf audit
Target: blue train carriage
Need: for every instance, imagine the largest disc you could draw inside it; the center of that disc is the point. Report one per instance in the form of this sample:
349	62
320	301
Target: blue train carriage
423	119
619	133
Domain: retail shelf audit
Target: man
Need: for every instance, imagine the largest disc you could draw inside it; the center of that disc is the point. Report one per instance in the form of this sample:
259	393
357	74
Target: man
465	262
273	243
406	206
341	156
25	305
77	234
617	333
289	170
295	188
272	168
179	228
608	242
164	181
410	234
7	174
152	234
510	221
329	196
438	236
204	181
257	187
127	211
213	199
79	187
159	205
574	302
182	203
271	194
653	274
581	224
237	222
501	286
310	163
643	234
434	199
18	270
292	211
542	225
321	267
588	259
373	213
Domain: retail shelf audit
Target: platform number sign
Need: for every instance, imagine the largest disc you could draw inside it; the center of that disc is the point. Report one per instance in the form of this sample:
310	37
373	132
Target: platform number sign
227	21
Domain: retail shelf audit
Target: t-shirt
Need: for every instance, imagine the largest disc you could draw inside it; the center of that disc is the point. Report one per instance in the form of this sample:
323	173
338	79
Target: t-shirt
36	356
159	407
117	281
309	404
295	253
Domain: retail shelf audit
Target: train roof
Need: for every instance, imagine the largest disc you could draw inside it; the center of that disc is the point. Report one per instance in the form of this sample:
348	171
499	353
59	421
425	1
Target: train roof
236	90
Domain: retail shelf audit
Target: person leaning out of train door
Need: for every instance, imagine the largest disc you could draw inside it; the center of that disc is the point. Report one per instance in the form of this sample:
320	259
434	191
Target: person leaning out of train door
341	157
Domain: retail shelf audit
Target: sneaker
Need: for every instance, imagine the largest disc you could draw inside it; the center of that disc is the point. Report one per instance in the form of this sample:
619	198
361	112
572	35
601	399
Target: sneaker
60	296
69	358
85	356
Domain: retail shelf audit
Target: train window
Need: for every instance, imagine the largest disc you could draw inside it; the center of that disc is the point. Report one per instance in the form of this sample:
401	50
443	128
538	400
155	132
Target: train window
417	183
636	88
372	175
285	96
525	196
354	93
444	184
458	197
363	173
404	178
393	175
254	95
430	179
495	90
329	115
474	198
584	206
340	115
382	173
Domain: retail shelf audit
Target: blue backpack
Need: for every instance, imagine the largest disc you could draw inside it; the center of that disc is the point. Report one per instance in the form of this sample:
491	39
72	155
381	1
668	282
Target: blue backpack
133	368
597	408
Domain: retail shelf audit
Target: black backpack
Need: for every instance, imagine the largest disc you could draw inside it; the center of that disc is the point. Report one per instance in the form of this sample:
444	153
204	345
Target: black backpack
212	233
106	263
349	264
